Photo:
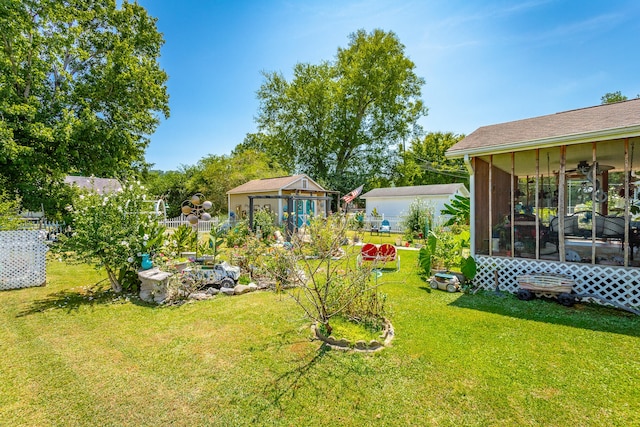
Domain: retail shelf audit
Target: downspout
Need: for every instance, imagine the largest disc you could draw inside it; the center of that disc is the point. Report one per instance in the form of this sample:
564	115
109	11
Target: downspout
280	209
472	204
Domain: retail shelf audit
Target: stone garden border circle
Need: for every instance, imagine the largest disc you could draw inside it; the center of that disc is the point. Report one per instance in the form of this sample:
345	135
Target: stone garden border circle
360	346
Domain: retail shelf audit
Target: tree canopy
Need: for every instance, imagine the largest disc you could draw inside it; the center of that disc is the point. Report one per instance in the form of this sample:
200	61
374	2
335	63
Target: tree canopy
340	122
612	97
80	91
424	162
213	176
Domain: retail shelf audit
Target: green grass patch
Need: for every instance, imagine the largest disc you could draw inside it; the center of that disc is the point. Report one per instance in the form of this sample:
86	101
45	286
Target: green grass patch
75	354
344	328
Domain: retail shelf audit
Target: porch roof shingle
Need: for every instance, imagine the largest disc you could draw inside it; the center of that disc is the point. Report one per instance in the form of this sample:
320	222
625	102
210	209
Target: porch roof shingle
601	122
272	184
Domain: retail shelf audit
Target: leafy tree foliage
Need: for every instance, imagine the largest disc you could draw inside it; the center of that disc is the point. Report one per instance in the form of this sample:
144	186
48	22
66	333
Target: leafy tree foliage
172	186
424	161
80	91
340	121
213	176
459	209
9	212
613	97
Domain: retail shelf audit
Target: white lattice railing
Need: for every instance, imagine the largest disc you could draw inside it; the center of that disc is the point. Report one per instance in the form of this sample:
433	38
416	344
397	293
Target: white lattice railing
22	259
620	285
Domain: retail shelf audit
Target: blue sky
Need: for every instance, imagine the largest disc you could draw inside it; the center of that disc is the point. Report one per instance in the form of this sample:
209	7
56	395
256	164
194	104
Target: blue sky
484	61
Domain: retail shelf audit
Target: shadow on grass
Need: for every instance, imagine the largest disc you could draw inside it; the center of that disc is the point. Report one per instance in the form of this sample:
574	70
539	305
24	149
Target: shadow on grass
581	315
290	380
309	376
71	300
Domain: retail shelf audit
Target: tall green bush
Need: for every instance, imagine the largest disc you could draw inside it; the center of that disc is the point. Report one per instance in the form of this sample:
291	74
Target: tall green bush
418	221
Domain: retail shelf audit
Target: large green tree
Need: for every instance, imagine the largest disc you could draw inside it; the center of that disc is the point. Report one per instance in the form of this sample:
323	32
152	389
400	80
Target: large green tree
424	161
341	121
80	91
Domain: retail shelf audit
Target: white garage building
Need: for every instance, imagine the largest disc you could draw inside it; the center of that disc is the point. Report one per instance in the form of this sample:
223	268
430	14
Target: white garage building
394	202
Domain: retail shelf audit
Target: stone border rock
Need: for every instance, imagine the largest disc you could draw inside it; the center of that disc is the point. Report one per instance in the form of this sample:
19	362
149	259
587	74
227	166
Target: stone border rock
361	346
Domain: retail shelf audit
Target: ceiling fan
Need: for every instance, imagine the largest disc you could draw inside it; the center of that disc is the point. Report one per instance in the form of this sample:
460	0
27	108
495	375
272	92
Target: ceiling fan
584	168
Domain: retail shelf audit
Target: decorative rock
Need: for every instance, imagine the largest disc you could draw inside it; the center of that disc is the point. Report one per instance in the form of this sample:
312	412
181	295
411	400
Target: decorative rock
199	296
374	345
212	291
241	289
361	345
343	342
227	291
252	286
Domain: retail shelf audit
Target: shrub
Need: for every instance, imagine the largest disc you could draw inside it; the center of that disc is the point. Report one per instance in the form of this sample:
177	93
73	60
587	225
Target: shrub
110	232
182	239
329	282
263	220
237	236
418	221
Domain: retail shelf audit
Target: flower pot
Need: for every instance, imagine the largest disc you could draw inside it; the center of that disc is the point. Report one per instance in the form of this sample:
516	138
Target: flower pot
146	262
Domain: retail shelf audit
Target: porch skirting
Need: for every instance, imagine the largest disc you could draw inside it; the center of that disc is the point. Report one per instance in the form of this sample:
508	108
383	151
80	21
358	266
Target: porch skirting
620	285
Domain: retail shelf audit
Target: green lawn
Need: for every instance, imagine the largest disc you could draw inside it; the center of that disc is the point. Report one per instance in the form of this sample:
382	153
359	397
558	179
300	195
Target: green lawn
73	356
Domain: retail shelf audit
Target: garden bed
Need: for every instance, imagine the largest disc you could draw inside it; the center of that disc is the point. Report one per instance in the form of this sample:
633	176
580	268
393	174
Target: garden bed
384	340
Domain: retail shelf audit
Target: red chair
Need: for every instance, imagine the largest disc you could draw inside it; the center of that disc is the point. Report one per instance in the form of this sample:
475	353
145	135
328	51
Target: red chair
383	254
369	252
388	253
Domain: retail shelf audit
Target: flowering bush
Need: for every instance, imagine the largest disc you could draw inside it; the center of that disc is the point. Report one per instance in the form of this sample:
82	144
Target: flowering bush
113	232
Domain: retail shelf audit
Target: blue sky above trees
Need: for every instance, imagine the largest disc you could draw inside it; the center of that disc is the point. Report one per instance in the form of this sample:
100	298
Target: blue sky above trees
484	62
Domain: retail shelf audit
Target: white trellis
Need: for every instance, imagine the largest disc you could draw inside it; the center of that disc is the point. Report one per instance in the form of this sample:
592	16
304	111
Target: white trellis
22	259
621	285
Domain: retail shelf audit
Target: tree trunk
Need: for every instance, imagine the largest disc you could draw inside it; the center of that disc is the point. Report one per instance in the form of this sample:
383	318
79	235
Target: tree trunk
116	286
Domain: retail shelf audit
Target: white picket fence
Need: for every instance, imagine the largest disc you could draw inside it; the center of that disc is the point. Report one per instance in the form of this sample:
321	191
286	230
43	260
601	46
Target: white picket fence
51	228
395	222
203	226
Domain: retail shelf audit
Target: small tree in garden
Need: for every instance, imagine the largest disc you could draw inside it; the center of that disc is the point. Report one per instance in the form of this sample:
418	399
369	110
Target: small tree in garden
112	231
329	281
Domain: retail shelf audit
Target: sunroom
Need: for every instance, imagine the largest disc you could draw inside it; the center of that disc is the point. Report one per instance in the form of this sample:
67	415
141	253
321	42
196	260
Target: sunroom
559	194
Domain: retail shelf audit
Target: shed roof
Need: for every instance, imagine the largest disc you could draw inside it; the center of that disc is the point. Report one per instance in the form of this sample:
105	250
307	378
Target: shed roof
275	184
417	190
598	123
99	185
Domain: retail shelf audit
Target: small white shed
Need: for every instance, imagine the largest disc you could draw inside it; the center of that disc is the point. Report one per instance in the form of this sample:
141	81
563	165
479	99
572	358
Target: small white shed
395	201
